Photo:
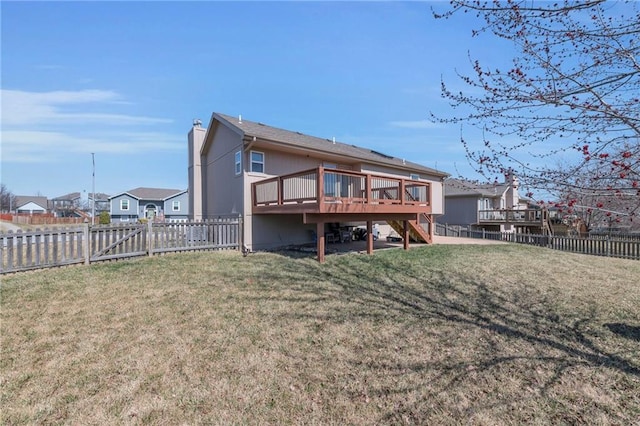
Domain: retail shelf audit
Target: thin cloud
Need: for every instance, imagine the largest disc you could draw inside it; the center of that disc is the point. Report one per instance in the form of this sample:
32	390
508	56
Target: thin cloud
45	127
22	108
30	146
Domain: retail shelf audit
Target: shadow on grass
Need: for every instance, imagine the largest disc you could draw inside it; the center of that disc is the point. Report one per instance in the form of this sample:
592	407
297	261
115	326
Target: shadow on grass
625	330
420	291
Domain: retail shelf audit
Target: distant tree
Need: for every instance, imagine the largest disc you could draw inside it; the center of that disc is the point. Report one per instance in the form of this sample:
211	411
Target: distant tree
7	199
572	92
599	207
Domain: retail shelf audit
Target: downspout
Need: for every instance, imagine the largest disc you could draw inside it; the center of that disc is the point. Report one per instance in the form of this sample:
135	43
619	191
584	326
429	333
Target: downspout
250	145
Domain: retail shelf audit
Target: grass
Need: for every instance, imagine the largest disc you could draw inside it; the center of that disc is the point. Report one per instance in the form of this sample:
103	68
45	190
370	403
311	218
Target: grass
437	335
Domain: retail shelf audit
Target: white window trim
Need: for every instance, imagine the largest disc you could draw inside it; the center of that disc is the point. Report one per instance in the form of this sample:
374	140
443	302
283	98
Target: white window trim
122	204
238	162
251	161
175	206
414	176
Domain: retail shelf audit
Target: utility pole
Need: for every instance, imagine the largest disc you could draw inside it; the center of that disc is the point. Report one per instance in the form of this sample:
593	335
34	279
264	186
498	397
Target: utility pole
93	203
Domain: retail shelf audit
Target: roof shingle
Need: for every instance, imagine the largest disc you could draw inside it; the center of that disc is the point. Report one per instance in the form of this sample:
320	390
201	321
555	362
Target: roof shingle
262	131
155	194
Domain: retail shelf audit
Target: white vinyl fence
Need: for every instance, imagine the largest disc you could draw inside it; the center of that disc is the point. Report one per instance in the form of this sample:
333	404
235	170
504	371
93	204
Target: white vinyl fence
44	248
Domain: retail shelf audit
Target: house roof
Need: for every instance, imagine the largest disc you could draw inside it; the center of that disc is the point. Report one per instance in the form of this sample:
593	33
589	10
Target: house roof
100	196
301	140
155	194
71	196
22	200
460	188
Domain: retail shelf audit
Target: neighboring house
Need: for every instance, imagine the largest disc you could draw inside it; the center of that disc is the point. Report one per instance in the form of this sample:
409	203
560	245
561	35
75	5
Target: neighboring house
102	203
68	205
292	188
492	207
158	204
73	205
26	204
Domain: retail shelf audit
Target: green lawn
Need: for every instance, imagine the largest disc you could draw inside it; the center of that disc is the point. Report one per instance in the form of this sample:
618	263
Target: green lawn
500	334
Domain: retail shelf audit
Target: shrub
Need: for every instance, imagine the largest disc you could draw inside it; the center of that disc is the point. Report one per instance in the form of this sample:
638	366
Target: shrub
104	218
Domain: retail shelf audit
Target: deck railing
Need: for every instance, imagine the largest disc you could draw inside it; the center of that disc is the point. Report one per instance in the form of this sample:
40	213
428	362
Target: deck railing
511	216
322	185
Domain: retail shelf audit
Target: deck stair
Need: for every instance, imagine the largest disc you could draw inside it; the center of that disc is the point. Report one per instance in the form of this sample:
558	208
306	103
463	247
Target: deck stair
547	227
416	230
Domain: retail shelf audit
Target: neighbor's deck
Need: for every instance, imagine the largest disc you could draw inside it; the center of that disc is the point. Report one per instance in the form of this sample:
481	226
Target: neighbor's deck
525	217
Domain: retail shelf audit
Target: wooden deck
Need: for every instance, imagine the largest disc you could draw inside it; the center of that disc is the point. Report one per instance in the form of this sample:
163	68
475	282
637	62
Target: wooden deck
332	191
331	195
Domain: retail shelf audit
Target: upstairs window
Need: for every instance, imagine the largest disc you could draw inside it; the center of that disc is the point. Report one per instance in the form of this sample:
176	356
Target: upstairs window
175	206
124	204
238	162
257	162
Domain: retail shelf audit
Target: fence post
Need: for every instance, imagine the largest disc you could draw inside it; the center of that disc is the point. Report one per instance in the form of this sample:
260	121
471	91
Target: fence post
150	237
608	245
483	231
87	243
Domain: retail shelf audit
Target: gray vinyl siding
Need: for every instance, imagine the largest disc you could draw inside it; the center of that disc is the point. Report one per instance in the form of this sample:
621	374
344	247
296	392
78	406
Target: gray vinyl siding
460	211
222	189
116	212
182	213
269	231
273	231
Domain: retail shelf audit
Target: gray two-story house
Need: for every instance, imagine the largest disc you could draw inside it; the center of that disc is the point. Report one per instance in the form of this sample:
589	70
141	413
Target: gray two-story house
158	204
491	207
292	188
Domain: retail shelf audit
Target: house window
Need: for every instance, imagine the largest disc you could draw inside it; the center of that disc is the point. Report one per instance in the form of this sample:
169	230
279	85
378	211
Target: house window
175	206
257	162
238	162
415	190
124	204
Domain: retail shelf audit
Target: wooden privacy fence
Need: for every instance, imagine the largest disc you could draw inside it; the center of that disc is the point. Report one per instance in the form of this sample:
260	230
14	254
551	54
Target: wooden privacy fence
613	246
35	249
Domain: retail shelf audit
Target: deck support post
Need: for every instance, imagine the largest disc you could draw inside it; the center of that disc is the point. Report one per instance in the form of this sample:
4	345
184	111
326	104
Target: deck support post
369	237
320	241
405	234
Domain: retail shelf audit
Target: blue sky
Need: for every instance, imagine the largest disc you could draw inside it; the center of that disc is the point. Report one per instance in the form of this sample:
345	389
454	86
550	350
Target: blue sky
124	80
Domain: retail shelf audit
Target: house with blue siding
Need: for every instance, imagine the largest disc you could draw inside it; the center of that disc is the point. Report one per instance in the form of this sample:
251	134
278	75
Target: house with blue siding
159	204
